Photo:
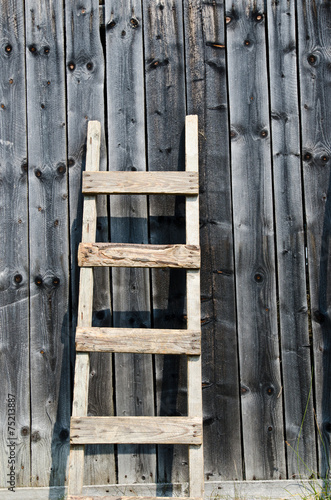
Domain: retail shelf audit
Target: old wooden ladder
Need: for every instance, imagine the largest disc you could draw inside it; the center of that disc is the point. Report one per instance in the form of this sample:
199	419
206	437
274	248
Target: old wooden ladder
143	430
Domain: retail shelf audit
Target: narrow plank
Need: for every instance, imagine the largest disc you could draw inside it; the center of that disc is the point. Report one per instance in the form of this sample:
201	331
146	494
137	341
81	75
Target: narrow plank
85	308
261	404
314	62
138	340
165	115
206	84
193	308
135	255
140	183
86	101
14	269
49	246
128	224
136	430
293	310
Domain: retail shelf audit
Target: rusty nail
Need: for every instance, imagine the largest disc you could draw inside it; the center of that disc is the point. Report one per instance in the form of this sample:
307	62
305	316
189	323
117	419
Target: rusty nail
9	48
71	66
38	281
18	278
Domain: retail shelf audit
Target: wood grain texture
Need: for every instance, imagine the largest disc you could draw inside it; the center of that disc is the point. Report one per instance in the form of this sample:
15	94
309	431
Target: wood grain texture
293	310
261	404
314	62
48	233
135	255
206	84
89	497
128	224
135	430
141	183
14	269
85	68
165	119
138	340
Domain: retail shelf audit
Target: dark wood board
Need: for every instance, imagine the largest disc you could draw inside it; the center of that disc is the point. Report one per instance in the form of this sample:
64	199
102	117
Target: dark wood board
14	265
48	236
261	402
291	258
165	114
128	224
314	38
207	97
85	69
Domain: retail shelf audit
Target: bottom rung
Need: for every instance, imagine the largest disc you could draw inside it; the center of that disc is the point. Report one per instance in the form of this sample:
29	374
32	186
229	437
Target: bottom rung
74	497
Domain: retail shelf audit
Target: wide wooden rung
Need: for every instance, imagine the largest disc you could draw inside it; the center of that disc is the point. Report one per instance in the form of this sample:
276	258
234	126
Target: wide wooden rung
138	340
107	497
134	255
178	183
135	430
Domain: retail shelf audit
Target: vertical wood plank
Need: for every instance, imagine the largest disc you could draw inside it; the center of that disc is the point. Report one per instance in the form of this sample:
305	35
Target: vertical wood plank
193	308
14	269
207	96
165	112
314	40
48	225
85	88
131	287
293	310
262	412
85	312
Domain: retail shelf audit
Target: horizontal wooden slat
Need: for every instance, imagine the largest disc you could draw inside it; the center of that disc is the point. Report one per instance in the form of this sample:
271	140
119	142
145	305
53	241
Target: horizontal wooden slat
135	430
74	497
185	183
138	340
133	255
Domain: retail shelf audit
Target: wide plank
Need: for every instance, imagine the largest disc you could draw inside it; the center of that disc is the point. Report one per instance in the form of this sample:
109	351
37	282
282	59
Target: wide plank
185	183
136	430
107	497
135	255
138	340
48	242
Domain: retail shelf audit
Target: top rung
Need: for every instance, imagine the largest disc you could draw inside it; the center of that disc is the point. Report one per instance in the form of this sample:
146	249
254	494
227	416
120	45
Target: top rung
177	183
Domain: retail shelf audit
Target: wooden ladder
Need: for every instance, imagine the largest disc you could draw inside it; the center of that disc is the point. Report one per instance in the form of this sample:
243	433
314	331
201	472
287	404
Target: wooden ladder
142	430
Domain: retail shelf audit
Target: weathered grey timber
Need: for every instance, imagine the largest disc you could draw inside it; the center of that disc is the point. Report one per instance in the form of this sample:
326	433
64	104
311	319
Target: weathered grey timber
134	385
207	96
314	65
165	111
261	404
14	268
48	238
291	259
85	87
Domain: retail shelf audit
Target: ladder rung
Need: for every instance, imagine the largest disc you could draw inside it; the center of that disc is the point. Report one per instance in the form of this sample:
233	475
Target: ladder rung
133	255
138	340
135	430
180	183
89	497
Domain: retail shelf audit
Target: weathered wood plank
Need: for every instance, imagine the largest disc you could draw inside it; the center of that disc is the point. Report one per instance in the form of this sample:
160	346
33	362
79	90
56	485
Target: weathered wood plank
165	115
130	287
135	255
261	404
48	233
206	86
85	94
138	340
141	183
193	308
314	75
85	308
71	497
293	310
14	270
136	430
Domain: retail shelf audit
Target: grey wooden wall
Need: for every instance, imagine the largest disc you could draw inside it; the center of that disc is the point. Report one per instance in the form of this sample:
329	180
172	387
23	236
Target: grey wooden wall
258	74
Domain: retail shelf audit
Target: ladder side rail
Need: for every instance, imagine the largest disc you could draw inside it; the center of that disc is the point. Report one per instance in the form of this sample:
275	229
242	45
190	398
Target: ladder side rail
196	470
85	305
